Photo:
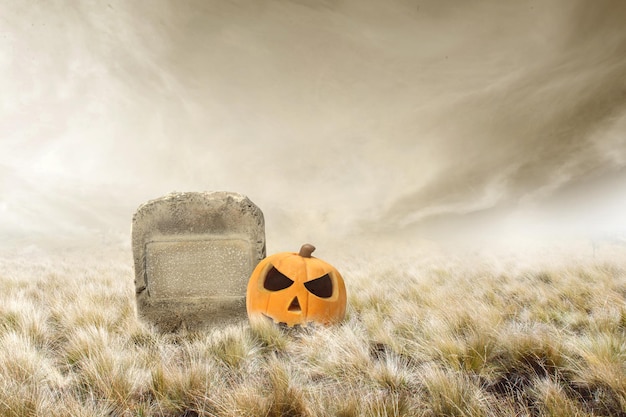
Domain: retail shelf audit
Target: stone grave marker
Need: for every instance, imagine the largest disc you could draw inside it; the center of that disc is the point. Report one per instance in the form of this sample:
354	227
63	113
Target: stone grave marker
193	254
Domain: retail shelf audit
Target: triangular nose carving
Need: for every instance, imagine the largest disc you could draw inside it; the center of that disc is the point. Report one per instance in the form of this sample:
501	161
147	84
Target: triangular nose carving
294	307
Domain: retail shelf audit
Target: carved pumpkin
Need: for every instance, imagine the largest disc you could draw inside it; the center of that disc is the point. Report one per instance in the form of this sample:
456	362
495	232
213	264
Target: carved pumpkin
296	288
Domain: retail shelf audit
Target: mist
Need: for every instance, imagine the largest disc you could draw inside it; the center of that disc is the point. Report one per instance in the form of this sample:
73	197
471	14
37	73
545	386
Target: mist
342	120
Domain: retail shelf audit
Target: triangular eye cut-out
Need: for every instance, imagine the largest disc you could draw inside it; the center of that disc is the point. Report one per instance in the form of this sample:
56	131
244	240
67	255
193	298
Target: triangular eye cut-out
322	286
276	281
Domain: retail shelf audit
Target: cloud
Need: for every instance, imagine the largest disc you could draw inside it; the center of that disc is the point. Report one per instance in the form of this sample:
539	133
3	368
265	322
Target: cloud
533	131
334	117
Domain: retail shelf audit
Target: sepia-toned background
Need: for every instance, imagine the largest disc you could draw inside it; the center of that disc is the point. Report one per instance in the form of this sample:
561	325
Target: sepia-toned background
344	120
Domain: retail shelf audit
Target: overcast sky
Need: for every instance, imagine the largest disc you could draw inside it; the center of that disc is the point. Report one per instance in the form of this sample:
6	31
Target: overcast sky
339	119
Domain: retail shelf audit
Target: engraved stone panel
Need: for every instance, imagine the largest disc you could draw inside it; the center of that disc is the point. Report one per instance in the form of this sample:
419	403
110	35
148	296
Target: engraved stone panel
194	253
209	268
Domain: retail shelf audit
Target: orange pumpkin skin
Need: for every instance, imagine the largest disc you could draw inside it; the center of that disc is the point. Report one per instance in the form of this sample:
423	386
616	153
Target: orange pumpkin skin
271	294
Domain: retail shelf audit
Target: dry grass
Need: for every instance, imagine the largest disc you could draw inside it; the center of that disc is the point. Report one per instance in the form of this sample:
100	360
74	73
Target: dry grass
426	335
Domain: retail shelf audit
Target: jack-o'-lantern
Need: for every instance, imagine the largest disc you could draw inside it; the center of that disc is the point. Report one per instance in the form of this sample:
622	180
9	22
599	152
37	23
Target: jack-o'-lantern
296	289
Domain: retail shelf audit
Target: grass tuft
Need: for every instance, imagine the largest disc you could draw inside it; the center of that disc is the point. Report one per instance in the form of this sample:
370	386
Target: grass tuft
451	393
426	335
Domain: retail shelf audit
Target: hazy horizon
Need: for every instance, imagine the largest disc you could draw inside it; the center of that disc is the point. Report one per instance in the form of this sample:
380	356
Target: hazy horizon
342	120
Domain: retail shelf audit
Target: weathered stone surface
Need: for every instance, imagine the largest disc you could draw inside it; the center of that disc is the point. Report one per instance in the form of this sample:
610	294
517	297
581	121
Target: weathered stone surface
193	255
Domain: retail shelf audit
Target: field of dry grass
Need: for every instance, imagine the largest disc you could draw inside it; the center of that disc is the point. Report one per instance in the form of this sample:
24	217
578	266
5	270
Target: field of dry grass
426	335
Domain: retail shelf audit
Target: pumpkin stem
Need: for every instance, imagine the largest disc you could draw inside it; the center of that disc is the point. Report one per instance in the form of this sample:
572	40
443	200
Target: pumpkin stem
306	250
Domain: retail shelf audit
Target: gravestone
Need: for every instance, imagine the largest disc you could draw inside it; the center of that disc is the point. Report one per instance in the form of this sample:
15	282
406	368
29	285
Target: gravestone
193	254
